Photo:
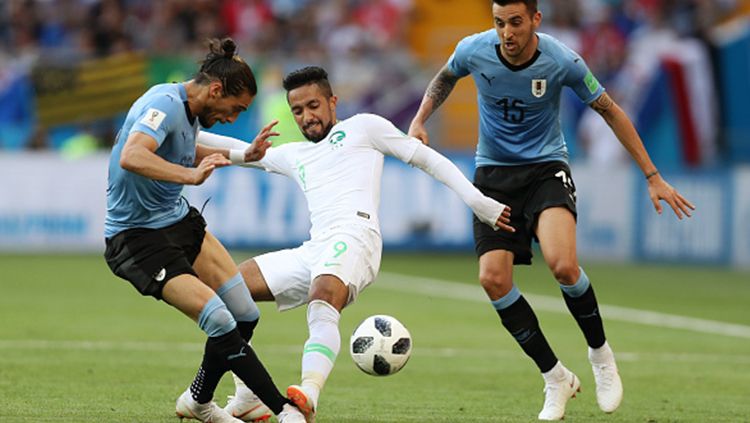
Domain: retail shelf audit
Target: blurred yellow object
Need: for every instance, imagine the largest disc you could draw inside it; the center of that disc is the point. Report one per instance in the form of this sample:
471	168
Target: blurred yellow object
80	145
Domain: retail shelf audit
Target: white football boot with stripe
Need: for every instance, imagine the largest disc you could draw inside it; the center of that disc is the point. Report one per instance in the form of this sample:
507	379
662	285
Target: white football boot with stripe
560	385
245	405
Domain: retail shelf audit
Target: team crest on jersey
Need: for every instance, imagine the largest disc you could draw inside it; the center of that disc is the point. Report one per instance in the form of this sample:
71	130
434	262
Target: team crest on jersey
538	87
336	138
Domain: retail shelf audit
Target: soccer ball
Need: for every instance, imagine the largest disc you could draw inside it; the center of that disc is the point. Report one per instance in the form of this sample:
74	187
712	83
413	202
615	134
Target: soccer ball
380	345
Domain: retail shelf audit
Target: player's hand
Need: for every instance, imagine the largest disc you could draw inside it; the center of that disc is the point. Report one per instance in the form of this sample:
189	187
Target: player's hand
503	221
261	143
204	169
659	189
418	131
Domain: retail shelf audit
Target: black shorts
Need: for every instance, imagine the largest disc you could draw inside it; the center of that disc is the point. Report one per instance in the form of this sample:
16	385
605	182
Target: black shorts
528	190
148	258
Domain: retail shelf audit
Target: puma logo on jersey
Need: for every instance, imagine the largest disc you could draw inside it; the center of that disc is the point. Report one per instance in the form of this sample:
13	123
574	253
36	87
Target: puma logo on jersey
486	78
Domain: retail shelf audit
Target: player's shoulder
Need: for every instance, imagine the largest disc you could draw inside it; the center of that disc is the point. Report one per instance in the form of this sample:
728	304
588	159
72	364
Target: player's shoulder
555	48
164	96
486	38
360	118
364	122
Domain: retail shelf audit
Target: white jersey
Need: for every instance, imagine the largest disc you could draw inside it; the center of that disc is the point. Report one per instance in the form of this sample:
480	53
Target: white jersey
341	174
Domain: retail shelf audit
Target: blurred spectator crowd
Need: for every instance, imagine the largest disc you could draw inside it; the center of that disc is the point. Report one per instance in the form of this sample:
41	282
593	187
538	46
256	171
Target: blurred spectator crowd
363	43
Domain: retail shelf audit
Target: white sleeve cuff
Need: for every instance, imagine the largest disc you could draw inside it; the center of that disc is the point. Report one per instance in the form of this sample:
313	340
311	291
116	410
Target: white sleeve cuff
237	156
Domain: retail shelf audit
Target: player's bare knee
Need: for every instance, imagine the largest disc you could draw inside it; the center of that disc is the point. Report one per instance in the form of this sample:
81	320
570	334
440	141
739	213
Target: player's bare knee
495	284
565	271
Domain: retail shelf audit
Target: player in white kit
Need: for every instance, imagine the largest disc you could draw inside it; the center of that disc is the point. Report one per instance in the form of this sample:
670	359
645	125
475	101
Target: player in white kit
339	171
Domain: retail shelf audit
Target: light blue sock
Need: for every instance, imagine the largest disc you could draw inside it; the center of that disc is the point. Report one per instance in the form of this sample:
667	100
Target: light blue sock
578	288
215	319
508	299
236	296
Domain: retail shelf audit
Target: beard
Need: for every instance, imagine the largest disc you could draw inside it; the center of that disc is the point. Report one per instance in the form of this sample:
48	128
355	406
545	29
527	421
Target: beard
204	121
319	137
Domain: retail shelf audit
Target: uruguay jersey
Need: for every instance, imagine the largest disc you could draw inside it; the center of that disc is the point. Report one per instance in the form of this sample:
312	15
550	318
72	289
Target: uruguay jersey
340	175
519	105
135	201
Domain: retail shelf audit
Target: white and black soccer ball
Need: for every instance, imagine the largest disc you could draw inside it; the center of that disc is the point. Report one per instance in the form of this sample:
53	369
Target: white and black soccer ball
380	345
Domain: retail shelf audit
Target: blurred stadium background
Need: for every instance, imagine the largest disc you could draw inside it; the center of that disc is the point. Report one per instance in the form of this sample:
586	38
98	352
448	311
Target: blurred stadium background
69	69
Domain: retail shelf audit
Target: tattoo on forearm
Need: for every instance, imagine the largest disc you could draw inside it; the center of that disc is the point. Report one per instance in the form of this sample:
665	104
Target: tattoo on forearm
441	87
602	104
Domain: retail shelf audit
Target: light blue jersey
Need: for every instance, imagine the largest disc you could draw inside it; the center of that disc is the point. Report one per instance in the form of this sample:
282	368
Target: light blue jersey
134	201
519	105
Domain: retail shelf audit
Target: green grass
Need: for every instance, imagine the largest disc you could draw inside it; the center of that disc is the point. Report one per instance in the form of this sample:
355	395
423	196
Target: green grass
79	345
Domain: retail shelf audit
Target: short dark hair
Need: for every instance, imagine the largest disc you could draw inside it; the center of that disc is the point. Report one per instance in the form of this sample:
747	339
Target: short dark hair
308	75
531	5
223	64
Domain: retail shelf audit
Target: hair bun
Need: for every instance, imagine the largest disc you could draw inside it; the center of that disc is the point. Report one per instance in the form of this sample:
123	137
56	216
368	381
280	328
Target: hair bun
229	47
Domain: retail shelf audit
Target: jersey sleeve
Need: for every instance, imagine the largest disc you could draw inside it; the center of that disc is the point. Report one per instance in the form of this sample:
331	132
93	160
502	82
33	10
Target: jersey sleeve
388	139
275	160
578	76
458	63
159	117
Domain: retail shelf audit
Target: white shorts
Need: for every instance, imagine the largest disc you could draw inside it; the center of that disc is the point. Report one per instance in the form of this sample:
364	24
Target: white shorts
351	253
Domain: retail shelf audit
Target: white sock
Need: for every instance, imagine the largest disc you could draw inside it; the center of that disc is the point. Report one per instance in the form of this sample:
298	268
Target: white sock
321	347
603	354
555	374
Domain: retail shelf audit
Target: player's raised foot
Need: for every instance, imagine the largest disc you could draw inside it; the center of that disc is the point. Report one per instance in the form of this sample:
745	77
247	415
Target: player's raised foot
247	407
608	382
290	414
560	385
303	401
188	408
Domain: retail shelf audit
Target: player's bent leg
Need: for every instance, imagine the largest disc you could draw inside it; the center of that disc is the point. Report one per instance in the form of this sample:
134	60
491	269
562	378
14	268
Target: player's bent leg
192	297
556	232
560	385
514	311
328	296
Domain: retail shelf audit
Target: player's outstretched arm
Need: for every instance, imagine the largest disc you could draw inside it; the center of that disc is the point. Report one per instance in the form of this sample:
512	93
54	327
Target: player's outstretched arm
238	151
625	131
439	167
437	91
138	156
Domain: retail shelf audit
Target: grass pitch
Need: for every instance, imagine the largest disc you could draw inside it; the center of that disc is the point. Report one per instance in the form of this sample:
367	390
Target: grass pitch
79	345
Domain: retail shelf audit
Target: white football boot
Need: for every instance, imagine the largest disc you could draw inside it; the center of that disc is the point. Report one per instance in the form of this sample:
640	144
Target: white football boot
188	408
303	401
608	382
245	405
560	385
290	414
248	408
